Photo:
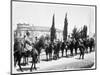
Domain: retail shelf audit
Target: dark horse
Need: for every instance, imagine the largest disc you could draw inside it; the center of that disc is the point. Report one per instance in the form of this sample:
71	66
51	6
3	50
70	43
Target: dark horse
18	54
75	44
56	49
34	55
82	49
89	43
48	50
63	47
39	46
69	46
27	52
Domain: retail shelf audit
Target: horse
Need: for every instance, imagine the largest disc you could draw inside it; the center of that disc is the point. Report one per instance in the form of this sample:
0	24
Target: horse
39	46
49	50
75	46
34	55
62	47
82	50
89	43
57	47
69	46
55	56
86	44
26	50
18	54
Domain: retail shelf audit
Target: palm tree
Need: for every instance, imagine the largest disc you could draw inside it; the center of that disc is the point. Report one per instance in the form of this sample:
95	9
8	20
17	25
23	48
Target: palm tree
75	33
84	31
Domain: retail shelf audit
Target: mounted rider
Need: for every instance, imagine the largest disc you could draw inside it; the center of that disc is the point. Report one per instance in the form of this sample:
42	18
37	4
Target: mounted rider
27	42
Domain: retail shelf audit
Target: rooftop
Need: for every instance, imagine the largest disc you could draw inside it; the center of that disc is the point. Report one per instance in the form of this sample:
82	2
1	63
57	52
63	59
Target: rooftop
35	28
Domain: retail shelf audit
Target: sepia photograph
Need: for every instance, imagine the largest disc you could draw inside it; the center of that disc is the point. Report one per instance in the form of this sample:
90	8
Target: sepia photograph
52	37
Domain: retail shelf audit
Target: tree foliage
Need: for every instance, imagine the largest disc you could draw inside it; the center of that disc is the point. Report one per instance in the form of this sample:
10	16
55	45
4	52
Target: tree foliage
75	33
53	31
65	29
79	34
84	31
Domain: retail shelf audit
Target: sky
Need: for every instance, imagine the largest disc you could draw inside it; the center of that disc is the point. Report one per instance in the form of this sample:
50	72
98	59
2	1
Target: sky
41	14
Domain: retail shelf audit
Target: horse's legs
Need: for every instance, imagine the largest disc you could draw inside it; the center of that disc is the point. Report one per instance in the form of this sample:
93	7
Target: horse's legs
62	52
66	52
83	56
24	59
19	60
55	55
86	49
90	48
31	65
39	58
71	51
35	66
27	60
50	55
75	50
80	54
58	54
15	61
33	62
46	56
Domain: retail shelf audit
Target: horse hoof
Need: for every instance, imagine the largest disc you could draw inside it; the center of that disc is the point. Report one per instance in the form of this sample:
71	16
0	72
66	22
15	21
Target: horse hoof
35	68
82	58
21	70
31	69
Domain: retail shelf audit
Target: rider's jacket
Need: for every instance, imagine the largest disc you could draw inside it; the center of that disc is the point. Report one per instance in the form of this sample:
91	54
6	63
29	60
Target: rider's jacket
27	43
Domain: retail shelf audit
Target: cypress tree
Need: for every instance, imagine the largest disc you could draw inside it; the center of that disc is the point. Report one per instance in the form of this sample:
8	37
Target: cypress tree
53	30
65	32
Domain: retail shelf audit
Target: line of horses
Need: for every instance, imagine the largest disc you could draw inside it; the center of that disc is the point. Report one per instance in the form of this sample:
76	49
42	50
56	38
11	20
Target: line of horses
51	50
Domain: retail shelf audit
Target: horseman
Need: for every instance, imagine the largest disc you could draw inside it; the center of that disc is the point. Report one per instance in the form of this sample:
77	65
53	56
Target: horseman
36	40
27	42
62	47
57	48
81	48
27	48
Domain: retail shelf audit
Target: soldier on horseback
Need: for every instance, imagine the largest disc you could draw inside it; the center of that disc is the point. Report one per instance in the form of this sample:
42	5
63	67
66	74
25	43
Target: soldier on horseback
26	47
81	48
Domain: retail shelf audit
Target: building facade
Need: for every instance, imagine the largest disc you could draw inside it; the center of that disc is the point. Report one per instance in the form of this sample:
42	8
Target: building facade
35	31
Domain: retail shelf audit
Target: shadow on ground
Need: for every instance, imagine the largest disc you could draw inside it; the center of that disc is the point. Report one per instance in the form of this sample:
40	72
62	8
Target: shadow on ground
27	69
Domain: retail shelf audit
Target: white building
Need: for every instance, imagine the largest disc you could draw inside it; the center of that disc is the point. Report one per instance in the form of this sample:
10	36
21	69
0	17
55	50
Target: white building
35	31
